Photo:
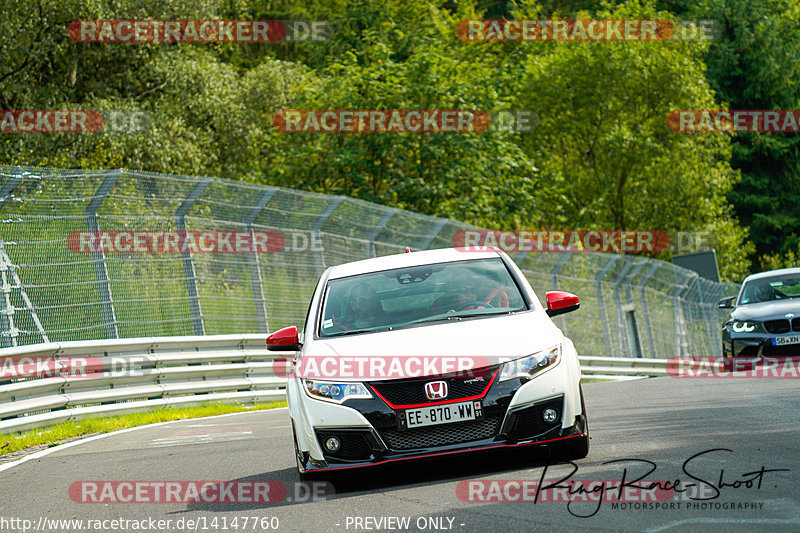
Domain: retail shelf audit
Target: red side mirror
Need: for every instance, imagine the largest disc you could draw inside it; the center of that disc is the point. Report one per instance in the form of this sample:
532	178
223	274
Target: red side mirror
560	302
284	340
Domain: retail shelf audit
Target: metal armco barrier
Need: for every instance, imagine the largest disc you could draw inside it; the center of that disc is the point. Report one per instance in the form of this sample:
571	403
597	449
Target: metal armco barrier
142	374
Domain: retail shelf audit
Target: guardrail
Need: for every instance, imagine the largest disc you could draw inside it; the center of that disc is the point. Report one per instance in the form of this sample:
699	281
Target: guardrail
131	375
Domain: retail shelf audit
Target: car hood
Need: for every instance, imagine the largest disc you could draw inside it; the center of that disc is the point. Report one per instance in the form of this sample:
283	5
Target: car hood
767	310
492	339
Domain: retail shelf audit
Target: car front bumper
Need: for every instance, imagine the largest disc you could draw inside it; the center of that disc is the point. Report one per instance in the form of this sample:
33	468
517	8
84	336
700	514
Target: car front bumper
753	346
370	435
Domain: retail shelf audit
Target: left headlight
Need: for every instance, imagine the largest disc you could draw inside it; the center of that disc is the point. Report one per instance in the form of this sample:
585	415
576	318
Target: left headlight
527	367
335	392
740	327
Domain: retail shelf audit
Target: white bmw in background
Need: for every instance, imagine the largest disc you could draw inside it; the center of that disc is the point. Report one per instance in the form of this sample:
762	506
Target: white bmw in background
431	353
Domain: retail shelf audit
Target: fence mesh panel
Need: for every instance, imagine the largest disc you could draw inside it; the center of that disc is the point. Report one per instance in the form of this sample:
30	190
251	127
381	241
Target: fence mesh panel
56	287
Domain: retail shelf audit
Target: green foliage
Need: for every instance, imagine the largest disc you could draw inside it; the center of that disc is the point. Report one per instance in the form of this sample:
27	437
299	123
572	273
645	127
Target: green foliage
601	156
755	65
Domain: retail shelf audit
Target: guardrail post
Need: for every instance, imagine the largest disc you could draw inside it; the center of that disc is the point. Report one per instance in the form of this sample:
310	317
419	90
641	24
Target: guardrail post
9	185
100	266
8	333
646	309
681	333
601	305
384	220
619	312
316	238
189	273
633	329
563	259
435	231
254	263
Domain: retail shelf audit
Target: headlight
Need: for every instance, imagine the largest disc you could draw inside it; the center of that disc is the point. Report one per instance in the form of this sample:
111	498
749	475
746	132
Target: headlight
739	327
528	367
335	392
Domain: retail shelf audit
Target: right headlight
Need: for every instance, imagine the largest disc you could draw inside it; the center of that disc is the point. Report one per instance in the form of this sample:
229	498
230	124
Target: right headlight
330	391
741	327
528	367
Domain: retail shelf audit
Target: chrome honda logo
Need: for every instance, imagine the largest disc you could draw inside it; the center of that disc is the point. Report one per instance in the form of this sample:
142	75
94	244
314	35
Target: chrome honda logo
436	390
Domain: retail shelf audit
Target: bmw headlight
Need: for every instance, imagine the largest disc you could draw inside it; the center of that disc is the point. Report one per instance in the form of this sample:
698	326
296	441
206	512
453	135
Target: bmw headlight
335	392
740	327
527	367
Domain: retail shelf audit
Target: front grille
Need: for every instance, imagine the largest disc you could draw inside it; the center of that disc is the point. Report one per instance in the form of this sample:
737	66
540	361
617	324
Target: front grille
412	392
354	444
787	350
528	422
442	435
777	326
796	324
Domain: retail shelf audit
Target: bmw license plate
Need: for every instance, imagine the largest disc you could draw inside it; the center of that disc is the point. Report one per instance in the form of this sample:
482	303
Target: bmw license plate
439	414
789	339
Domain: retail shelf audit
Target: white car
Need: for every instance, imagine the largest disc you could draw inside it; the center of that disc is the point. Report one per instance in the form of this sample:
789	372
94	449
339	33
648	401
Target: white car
431	353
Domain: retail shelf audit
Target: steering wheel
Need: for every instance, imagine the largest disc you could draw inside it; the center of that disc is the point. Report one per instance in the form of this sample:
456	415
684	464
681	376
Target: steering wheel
476	303
339	324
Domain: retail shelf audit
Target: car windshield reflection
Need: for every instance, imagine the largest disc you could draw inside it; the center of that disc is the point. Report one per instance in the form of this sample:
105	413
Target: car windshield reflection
427	294
770	289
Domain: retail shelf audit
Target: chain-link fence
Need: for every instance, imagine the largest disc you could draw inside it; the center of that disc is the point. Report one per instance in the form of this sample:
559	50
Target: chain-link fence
119	253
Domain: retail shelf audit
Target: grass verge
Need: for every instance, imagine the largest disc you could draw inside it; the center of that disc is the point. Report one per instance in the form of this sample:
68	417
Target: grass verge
52	435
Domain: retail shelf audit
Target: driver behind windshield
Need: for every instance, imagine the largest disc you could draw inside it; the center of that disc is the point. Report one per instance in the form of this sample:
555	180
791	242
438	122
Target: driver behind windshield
465	290
362	309
763	293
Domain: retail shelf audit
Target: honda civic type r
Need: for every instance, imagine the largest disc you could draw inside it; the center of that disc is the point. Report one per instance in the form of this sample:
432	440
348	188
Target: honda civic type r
430	353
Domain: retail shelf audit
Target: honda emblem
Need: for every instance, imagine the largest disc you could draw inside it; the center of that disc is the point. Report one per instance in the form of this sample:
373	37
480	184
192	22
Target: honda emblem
436	390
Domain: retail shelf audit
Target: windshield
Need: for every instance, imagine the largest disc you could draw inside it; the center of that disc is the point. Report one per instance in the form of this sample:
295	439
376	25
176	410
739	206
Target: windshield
416	295
768	289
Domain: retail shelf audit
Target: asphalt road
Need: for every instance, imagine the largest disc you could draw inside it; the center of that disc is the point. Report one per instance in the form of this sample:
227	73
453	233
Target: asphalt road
668	422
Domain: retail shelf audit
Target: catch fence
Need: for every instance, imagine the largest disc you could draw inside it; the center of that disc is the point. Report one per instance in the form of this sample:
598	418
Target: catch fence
83	255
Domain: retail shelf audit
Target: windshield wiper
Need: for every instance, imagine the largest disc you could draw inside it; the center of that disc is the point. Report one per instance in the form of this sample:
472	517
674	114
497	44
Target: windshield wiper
355	331
451	316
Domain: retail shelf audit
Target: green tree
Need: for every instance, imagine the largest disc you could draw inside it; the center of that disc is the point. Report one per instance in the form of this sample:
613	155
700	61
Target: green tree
606	155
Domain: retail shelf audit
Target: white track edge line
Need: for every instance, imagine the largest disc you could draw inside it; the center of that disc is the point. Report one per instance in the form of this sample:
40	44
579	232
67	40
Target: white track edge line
53	449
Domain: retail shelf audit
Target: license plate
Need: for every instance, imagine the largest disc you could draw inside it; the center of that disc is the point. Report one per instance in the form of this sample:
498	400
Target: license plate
790	339
439	414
